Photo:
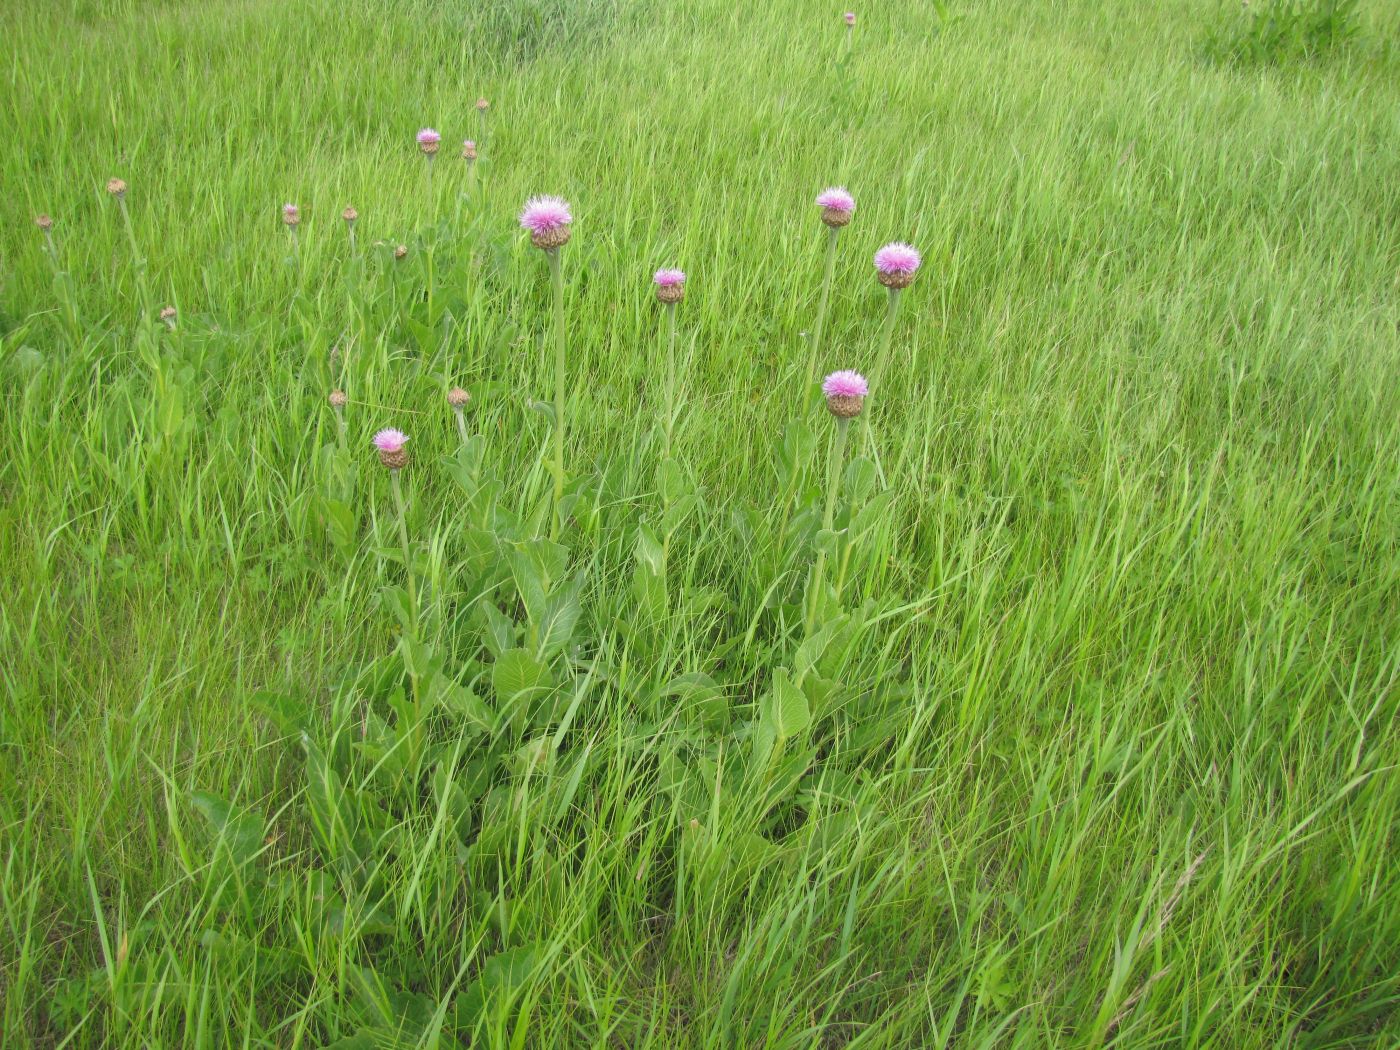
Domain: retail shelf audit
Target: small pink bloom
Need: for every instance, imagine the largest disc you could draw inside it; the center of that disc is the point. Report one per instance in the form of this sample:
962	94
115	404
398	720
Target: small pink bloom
469	144
836	198
845	384
850	18
290	214
897	258
545	214
428	137
390	440
669	278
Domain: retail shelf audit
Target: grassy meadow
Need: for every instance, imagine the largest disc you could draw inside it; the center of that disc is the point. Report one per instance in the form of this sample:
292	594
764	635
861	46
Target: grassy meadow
1060	711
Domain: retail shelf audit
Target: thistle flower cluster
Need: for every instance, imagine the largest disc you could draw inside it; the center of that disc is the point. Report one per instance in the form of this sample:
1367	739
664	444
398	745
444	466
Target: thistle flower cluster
896	263
548	219
837	206
428	140
670	285
390	445
845	393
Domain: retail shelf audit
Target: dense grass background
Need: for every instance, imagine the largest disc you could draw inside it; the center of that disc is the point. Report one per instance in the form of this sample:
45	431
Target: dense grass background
1114	758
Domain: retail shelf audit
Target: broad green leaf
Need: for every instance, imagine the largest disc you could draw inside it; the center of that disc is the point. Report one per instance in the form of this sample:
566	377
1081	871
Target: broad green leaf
788	713
517	673
241	832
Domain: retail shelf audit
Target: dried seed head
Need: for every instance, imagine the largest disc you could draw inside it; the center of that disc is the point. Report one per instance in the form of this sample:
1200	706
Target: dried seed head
482	105
43	222
117	188
168	316
350	214
400	251
337	399
458	398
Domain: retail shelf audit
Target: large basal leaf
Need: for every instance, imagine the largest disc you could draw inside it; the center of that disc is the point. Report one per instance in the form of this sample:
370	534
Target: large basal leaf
518	674
241	832
788	713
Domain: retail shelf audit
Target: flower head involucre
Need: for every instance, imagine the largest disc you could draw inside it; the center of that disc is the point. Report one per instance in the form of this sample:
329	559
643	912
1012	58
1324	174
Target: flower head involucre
390	444
836	204
670	285
291	214
428	140
469	149
845	393
850	18
547	218
896	264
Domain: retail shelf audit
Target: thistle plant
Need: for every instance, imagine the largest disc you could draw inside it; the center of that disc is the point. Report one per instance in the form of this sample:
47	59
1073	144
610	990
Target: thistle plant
116	188
291	218
549	219
670	290
837	207
895	266
481	108
850	17
350	215
338	401
845	393
393	456
168	316
428	141
458	399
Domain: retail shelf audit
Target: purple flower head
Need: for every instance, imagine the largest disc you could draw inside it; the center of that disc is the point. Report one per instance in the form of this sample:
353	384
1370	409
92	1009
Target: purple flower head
836	198
428	137
390	440
545	214
290	214
669	278
897	258
845	384
850	18
469	144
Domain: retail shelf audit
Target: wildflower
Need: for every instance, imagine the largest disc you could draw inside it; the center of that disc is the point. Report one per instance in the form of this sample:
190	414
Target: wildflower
43	222
850	18
400	251
469	150
837	205
482	105
458	398
670	285
168	316
896	264
117	188
547	218
390	444
338	399
428	140
845	393
291	215
349	215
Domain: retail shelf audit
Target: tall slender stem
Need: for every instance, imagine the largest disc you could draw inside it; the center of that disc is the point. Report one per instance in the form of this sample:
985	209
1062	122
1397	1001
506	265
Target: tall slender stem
670	374
403	541
461	424
814	363
556	275
833	484
891	312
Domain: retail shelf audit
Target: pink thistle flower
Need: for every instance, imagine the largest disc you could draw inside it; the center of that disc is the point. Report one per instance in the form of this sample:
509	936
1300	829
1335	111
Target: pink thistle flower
670	285
845	393
850	18
896	263
291	214
428	140
390	444
469	149
547	218
836	204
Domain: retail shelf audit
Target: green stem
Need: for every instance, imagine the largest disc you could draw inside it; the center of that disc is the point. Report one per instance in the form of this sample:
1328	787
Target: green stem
137	260
833	484
402	511
815	362
461	424
670	375
556	275
891	312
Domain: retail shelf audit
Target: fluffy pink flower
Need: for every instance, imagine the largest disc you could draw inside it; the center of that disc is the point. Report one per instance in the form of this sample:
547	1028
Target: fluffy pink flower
547	219
836	198
290	214
897	257
669	278
850	18
545	214
428	137
845	384
390	440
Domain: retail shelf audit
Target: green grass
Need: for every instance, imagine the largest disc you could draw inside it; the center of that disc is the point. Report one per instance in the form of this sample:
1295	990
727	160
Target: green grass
1088	735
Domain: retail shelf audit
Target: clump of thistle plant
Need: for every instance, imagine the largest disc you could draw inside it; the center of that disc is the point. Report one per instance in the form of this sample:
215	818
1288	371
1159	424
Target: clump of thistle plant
350	215
837	206
895	266
845	392
457	400
670	290
549	220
